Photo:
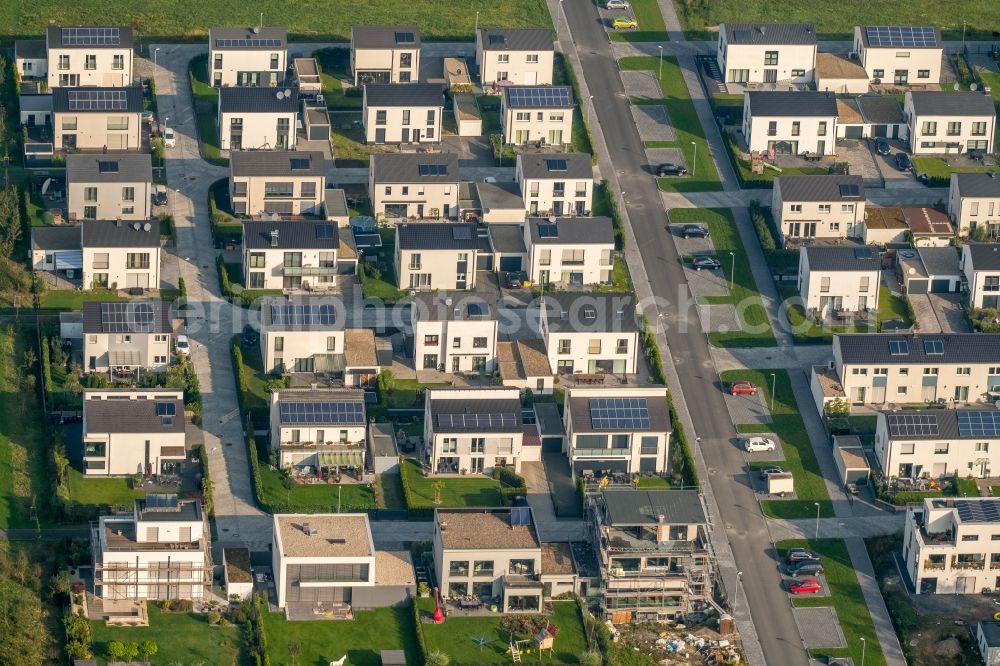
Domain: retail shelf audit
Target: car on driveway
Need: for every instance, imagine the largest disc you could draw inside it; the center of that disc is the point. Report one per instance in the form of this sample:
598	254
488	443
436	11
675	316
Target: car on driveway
758	444
807	586
881	145
169	140
182	345
800	555
805	568
770	469
742	388
249	337
903	162
701	262
616	4
694	231
159	195
624	23
671	169
512	281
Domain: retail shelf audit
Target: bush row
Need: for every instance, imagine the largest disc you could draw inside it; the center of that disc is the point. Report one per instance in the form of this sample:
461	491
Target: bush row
652	353
259	633
681	459
765	231
616	215
414	511
511	484
207	499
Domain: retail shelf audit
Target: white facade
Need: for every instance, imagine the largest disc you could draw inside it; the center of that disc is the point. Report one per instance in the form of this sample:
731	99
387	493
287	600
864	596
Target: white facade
290	255
72	64
247	57
109	186
837	289
974	200
123	434
758	62
435	269
983	280
385	54
119	266
446	335
411	114
287	350
97	130
933	131
257	131
150	351
787	133
554	193
527	124
283	194
902	453
818	216
459	443
569	264
523	57
589	333
899	65
398	190
319	442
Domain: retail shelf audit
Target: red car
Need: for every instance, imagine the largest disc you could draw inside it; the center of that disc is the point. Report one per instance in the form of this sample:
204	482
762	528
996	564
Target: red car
807	586
742	388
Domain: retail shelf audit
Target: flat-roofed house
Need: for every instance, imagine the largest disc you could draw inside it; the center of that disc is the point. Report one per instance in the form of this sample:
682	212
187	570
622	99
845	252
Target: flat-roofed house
522	56
981	268
590	332
414	185
949	122
302	334
454	332
279	182
402	113
97	118
89	56
300	254
472	430
120	255
109	186
767	52
573	252
123	337
258	118
555	184
432	255
318	428
838	278
385	54
132	431
988	641
974	201
247	56
818	206
900	55
790	122
542	114
31	59
57	249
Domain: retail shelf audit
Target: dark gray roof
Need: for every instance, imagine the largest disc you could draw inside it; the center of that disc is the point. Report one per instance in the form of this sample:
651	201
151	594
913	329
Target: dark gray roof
405	168
546	165
791	104
946	421
874	348
976	184
335	203
35	102
131	416
295	235
507	238
644	507
991	632
277	163
492	405
55	238
384	36
574	231
770	33
57	37
111	233
132	95
940	261
656	406
268	34
185	511
305	395
130	167
962	103
31	49
437	236
404	94
93	319
589	311
842	258
452	306
258	100
516	39
821	188
498	196
985	256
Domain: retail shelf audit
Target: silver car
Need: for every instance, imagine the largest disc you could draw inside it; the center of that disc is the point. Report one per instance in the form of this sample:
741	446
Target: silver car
616	4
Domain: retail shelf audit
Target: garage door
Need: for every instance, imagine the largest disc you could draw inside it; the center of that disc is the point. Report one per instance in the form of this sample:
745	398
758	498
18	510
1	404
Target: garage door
319	132
917	286
854	132
940	286
880	130
510	264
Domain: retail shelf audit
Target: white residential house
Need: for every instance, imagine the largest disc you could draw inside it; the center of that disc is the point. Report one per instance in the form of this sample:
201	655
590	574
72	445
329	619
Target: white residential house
402	113
974	200
617	430
97	118
255	56
319	428
592	333
838	278
555	184
132	431
790	123
109	186
573	252
123	337
414	185
31	59
988	641
454	332
767	52
522	56
949	122
299	254
981	267
258	118
900	55
120	255
385	54
57	249
432	255
830	206
301	334
287	183
938	443
161	550
471	430
89	56
542	114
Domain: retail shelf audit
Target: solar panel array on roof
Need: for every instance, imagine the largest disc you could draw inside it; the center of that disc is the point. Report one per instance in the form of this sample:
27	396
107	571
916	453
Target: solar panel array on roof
324	315
299	164
432	169
107	166
901	35
538	97
404	38
934	347
850	190
899	347
91	37
333	412
161	502
247	43
477	421
978	424
324	231
461	233
127	317
978	511
520	515
548	230
912	425
97	100
555	165
619	414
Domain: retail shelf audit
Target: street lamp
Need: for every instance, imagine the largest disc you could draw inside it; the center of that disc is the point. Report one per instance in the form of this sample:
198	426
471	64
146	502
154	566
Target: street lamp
155	51
659	74
774	381
590	109
817	519
477	24
736	601
864	644
732	271
694	165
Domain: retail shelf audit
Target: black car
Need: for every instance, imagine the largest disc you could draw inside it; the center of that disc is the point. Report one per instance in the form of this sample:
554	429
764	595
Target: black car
881	145
903	162
670	169
805	568
249	337
512	281
159	195
694	231
702	262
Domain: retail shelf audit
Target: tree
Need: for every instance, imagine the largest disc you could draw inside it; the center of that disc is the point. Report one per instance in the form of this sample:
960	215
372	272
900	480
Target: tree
294	650
116	650
10	220
148	649
23	636
77	650
386	382
131	651
213	617
60	585
437	658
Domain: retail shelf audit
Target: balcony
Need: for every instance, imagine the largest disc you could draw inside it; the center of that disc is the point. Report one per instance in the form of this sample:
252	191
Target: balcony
307	271
521	581
933	566
338	445
602	453
977	564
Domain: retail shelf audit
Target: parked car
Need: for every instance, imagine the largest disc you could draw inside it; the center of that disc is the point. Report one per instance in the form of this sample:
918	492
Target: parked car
169	140
182	345
903	162
512	281
694	231
703	262
159	195
770	469
671	169
799	555
249	337
742	388
805	568
624	23
756	444
807	586
616	4
149	117
881	145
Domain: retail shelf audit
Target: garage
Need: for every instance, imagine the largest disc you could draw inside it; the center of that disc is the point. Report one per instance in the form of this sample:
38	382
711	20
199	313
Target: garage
916	287
854	132
484	262
510	264
941	286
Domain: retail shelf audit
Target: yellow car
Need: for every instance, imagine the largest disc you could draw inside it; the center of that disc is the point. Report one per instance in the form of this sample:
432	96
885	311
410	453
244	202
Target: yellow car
624	23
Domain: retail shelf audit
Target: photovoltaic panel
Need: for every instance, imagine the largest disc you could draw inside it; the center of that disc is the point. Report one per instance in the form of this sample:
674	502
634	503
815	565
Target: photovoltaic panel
555	165
901	35
299	164
912	425
850	190
166	409
548	231
478	421
978	511
333	412
247	43
432	169
934	347
461	233
91	37
324	231
538	97
899	347
308	315
476	309
161	502
108	166
127	317
97	100
404	38
619	413
978	424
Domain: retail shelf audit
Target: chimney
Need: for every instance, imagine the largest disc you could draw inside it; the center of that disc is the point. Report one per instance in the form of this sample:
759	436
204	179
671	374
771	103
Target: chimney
305	528
274	238
661	529
118	221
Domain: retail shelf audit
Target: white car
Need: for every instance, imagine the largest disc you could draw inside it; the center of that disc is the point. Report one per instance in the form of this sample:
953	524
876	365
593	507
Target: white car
182	345
616	4
753	444
169	140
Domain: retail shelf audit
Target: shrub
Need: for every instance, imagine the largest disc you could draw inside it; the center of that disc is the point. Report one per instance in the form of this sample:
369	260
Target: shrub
414	511
437	658
652	350
206	481
682	456
765	233
182	291
511	484
591	658
616	215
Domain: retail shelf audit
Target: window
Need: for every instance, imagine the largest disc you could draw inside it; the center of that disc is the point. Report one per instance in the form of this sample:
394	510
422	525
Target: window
572	256
456	343
257	260
217	62
482	568
406	116
331	343
293	260
954	128
798	72
565	346
477	445
962	393
863	284
963	371
901	390
415	263
159	359
906	448
431	339
859	371
648	445
821	131
970	537
622	346
380	117
846	208
90	213
545	258
117	122
881	371
279	190
904	372
835	226
770	57
522	116
137	260
90	62
69	122
531	57
556	117
824	285
991	283
824	209
929	128
982	447
429	133
90	194
594	346
405	60
327	259
279	343
128	194
449	445
503	58
923	73
796	128
479	343
274	61
522	567
100	260
930	371
256	280
772	128
430	118
878	73
796	208
458	568
941	448
64	62
978	129
118	62
502	76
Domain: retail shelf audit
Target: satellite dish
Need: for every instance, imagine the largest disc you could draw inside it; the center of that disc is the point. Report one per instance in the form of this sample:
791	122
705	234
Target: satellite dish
973	87
137	226
147	227
552	219
288	93
912	271
956	86
279	95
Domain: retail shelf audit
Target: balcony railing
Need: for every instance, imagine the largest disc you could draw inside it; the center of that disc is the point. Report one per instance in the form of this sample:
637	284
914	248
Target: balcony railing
603	453
338	444
934	566
305	271
968	565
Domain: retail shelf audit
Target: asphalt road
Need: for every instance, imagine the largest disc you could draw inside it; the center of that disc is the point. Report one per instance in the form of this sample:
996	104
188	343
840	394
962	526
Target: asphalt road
737	505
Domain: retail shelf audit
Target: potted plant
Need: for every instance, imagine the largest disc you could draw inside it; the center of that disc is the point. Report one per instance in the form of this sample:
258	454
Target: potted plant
359	471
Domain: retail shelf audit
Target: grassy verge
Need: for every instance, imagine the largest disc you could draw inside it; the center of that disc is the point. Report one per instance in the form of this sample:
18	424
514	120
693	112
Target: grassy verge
114	493
937	172
206	109
651	27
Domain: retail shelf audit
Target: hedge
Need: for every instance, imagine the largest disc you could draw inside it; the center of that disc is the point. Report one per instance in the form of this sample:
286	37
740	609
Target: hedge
688	471
207	500
421	642
182	291
414	512
47	368
652	353
511	484
616	215
765	232
224	284
260	652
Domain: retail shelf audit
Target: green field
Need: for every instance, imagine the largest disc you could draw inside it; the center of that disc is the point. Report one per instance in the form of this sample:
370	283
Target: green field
316	497
651	28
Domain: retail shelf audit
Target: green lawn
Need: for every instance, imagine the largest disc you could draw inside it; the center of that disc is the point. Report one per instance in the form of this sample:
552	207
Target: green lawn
361	639
456	637
206	108
333	65
892	307
807	331
392	491
115	493
477	490
938	168
690	134
845	597
800	459
653	482
380	284
183	638
314	498
722	227
72	299
651	28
